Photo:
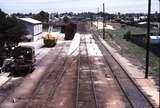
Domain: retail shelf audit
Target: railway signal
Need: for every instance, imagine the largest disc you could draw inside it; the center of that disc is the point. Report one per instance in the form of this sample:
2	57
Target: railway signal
148	39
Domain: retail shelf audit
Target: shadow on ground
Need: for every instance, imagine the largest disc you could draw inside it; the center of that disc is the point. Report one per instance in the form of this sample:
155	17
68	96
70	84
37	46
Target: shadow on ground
20	73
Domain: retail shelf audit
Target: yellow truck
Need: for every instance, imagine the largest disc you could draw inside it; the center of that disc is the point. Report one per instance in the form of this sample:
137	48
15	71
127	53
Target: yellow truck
49	39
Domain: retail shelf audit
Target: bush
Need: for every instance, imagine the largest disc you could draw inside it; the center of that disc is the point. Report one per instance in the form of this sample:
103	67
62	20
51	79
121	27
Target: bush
127	35
11	29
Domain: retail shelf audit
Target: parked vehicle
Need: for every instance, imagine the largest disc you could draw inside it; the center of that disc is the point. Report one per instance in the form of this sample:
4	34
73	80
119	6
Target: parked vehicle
22	58
70	30
49	39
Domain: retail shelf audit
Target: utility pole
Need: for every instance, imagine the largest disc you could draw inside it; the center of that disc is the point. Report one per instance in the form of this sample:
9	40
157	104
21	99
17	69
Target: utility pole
159	23
148	39
103	21
97	17
158	35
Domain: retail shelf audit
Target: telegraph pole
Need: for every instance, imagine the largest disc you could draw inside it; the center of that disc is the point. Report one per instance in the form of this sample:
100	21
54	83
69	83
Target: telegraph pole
103	21
148	39
158	35
97	17
159	23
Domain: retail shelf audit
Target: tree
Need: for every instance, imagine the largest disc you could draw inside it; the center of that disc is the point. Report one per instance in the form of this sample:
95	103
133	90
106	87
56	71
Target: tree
11	29
65	19
42	16
15	30
11	33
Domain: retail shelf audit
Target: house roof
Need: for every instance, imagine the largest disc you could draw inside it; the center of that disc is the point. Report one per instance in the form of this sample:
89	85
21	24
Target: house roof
155	37
142	22
30	20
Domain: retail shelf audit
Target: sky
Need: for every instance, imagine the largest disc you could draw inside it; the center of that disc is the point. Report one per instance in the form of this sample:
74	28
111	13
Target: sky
61	6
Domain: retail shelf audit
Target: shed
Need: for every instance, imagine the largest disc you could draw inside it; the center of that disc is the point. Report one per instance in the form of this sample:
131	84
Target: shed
155	39
34	27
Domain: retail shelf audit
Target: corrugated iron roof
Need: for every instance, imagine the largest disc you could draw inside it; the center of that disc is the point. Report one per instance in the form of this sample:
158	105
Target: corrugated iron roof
31	20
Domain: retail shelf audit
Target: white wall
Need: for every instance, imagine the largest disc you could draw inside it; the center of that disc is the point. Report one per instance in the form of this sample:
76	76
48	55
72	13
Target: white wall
33	29
37	29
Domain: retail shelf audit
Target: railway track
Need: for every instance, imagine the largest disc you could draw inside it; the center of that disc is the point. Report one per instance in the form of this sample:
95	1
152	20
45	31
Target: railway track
85	89
8	87
7	81
132	92
10	82
86	94
39	63
50	81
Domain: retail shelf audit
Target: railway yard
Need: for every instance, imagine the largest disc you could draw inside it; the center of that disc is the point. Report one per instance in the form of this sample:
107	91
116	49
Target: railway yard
82	73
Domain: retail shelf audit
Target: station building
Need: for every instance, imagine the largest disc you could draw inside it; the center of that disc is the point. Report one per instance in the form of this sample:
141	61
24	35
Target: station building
34	27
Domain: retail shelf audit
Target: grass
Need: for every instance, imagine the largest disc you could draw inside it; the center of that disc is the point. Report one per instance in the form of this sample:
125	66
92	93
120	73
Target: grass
133	52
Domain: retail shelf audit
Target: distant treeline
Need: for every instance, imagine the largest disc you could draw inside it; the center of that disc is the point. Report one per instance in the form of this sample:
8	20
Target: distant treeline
43	16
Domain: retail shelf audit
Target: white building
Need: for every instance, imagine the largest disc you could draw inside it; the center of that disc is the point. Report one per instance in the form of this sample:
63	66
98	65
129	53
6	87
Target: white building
155	39
34	27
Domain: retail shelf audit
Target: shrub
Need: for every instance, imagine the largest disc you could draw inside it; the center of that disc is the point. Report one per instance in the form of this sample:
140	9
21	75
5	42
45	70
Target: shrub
127	35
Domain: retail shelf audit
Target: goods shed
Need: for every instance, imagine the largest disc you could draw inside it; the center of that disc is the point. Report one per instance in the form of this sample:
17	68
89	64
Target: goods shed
34	27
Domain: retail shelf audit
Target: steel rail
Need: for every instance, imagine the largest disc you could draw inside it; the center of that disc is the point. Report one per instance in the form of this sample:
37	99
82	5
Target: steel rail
8	94
78	81
95	36
91	67
42	80
91	76
60	73
57	82
59	77
112	72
